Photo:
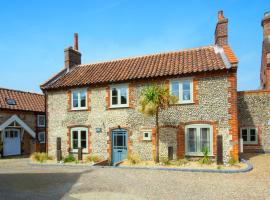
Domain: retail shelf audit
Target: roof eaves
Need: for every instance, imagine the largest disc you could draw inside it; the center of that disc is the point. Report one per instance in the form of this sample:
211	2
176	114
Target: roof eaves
230	55
54	78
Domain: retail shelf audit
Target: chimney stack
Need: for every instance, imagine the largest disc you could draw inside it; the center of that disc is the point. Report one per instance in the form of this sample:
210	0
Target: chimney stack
72	54
265	63
221	32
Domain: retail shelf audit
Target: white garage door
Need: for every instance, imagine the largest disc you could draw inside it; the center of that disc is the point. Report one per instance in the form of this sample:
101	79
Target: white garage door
12	142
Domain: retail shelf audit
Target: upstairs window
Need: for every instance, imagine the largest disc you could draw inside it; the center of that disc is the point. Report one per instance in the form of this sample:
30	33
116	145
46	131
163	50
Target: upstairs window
41	119
183	90
249	135
119	96
79	99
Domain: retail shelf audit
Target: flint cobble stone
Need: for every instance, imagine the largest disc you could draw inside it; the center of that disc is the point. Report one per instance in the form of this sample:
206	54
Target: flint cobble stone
254	111
213	106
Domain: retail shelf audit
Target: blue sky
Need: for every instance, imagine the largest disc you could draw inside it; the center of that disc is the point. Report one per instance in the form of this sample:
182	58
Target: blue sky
33	34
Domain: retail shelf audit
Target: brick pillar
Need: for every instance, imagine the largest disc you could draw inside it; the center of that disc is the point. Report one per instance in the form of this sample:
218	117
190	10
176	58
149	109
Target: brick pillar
233	121
181	142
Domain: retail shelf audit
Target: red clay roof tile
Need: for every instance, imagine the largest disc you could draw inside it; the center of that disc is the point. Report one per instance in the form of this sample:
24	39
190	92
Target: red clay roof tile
25	101
164	64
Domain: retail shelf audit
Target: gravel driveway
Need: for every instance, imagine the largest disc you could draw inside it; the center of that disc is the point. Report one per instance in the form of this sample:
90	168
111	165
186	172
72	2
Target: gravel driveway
18	180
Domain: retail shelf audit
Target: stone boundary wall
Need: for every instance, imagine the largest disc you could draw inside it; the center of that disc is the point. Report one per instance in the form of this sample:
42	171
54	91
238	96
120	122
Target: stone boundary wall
254	111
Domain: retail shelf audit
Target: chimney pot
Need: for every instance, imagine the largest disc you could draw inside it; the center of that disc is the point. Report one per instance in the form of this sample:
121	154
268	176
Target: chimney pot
266	14
76	45
220	15
72	55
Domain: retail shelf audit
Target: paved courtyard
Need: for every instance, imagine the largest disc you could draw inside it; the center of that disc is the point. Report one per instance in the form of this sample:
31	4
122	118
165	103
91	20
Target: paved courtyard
18	180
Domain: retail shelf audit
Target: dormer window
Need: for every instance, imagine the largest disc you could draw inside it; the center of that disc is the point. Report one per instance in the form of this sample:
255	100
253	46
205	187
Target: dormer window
79	99
11	102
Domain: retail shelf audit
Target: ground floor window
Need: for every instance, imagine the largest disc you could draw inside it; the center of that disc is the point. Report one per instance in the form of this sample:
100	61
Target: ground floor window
197	138
79	138
249	135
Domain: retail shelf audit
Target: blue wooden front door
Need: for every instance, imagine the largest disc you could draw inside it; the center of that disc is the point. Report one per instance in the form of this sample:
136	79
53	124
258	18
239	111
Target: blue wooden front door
119	145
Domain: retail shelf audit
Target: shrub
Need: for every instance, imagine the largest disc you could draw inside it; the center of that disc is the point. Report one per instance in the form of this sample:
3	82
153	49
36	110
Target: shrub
165	161
69	158
232	161
134	159
40	157
181	162
219	167
205	159
93	158
154	157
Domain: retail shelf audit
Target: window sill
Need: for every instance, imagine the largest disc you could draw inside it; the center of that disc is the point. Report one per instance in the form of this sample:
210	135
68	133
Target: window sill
118	107
40	126
147	140
253	144
180	104
198	155
81	109
76	151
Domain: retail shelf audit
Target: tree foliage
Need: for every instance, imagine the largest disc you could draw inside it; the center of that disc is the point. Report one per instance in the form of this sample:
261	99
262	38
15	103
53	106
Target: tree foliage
153	99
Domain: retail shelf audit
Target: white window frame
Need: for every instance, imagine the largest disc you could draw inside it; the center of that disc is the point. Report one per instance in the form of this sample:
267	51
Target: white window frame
180	82
248	135
198	127
41	142
79	91
79	129
149	138
119	87
38	122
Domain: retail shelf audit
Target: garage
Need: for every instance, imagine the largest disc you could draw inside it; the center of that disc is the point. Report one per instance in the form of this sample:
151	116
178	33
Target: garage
17	137
11	142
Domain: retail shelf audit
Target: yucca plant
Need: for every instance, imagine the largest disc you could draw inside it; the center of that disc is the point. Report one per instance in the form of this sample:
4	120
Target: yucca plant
152	100
205	159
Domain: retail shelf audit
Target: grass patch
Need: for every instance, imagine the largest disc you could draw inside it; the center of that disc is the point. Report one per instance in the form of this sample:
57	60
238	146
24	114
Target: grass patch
219	167
165	161
40	157
69	158
181	162
93	158
134	159
232	161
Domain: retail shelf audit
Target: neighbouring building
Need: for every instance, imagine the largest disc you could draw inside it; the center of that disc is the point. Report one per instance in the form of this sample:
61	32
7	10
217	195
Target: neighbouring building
254	106
265	64
93	106
22	122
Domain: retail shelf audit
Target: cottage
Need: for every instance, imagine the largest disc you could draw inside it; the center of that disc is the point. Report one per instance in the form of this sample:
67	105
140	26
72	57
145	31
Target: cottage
22	122
93	106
